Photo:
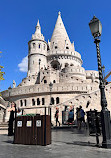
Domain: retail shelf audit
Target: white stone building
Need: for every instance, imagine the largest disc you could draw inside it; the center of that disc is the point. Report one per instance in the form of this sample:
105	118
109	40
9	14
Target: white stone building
59	63
3	106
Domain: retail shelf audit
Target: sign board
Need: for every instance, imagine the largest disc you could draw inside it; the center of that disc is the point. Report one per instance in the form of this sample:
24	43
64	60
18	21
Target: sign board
19	123
29	123
38	123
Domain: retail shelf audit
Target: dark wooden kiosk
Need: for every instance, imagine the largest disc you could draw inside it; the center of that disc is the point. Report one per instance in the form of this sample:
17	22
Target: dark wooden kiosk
33	129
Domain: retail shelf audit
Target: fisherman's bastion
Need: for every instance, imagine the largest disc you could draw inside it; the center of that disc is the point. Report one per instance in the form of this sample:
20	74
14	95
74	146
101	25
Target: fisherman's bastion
56	62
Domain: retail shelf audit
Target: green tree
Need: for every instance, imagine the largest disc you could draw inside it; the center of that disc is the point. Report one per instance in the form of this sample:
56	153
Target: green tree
1	73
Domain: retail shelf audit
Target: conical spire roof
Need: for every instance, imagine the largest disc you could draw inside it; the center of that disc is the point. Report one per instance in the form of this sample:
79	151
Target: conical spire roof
60	37
37	34
38	28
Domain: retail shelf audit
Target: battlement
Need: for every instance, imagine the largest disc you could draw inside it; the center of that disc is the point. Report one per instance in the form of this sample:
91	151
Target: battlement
40	89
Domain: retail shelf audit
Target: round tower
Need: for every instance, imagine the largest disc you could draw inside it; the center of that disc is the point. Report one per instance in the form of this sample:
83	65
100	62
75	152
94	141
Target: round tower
37	56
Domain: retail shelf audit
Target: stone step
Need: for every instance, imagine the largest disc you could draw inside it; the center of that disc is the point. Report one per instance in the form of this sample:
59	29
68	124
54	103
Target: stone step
3	125
4	128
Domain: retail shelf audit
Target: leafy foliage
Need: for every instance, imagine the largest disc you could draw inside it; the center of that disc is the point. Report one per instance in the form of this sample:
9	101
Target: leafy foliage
1	73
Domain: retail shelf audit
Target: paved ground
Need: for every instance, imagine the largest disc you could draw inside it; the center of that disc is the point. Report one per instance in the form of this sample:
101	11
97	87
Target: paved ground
66	143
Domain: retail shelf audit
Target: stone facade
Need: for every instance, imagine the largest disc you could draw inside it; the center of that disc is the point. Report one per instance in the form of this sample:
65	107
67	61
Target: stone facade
2	109
59	63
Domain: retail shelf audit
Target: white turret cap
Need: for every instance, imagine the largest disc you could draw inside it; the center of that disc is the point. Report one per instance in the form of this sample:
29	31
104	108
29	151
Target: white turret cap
37	34
60	37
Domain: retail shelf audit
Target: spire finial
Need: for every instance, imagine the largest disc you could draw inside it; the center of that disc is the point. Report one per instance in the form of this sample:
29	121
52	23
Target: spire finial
38	24
59	13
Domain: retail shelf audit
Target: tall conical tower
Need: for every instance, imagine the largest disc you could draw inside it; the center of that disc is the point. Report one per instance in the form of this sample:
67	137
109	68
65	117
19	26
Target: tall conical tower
61	51
37	52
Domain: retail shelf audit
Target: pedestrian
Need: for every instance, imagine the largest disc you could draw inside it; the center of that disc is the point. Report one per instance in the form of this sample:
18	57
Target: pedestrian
71	117
82	116
11	119
57	116
78	117
19	112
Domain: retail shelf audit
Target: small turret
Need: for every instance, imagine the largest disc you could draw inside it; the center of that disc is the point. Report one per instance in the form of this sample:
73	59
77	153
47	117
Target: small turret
37	52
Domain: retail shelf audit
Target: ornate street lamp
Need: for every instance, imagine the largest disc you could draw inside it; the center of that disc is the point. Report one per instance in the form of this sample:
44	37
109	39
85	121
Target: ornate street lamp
96	29
103	71
50	86
9	90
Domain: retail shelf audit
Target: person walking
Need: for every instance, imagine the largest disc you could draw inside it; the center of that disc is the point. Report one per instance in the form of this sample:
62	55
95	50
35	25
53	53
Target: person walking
78	116
82	116
57	116
71	117
11	119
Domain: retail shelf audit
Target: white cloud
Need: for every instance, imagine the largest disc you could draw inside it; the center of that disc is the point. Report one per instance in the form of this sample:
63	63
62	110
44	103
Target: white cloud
23	66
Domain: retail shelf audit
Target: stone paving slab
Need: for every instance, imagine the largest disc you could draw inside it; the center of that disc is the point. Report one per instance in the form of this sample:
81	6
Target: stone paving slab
66	143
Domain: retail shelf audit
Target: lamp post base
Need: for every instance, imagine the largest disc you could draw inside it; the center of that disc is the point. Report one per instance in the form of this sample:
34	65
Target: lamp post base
106	128
106	144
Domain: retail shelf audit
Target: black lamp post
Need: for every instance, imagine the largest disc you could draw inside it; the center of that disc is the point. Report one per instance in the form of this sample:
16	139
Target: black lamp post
9	90
103	71
96	29
50	86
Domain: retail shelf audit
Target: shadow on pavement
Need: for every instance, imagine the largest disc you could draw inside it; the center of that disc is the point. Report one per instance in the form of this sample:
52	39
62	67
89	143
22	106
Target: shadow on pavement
83	143
8	141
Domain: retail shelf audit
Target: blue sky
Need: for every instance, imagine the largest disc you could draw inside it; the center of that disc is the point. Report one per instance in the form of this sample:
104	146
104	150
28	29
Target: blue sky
17	24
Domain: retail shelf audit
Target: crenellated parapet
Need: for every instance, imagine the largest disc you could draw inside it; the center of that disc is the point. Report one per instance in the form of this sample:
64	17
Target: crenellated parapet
44	89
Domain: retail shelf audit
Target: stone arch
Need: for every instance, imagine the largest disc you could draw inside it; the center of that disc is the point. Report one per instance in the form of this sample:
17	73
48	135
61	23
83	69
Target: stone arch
43	101
57	100
52	101
66	64
38	101
21	103
25	102
33	102
55	65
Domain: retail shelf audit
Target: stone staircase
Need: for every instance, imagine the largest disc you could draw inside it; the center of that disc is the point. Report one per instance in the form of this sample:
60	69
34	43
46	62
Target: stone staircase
3	125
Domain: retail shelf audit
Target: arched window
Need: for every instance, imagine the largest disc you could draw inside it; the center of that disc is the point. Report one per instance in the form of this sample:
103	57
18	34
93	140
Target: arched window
21	103
44	46
34	45
45	81
38	101
57	100
43	101
39	45
66	64
25	102
33	102
52	100
54	81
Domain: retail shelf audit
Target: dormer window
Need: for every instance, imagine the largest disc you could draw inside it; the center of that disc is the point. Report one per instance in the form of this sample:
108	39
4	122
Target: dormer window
39	46
33	45
45	81
44	46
